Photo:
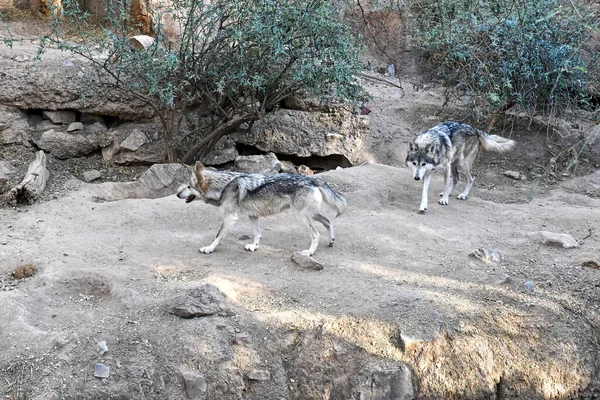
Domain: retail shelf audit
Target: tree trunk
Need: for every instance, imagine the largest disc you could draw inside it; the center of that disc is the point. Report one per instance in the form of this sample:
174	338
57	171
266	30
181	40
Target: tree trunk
202	147
34	182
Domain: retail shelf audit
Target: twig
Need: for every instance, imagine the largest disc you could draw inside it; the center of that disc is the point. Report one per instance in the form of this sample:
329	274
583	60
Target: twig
378	79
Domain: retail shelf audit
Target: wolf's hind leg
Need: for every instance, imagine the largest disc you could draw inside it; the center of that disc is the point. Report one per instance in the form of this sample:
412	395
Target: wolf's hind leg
228	223
314	238
327	224
466	165
450	181
256	231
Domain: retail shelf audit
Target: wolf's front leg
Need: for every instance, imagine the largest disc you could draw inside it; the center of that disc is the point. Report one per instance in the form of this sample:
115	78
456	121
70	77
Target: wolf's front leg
256	231
449	186
423	205
228	222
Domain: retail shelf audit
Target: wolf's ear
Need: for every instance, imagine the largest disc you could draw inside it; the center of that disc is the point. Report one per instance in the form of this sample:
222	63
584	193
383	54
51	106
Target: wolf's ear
431	148
412	146
198	166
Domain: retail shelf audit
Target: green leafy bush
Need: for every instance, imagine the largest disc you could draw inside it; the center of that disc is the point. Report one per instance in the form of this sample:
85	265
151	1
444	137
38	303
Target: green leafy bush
229	61
535	54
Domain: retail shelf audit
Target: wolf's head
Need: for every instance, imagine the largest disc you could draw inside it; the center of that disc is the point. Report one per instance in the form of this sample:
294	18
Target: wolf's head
197	186
422	161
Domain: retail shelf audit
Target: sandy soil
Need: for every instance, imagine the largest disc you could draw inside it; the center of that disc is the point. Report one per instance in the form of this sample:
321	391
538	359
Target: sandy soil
398	287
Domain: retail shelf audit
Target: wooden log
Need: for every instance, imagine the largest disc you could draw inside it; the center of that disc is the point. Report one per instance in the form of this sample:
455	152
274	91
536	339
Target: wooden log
33	184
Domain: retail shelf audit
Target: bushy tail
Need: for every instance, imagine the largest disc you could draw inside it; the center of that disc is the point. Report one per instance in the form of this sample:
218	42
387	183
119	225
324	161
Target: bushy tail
336	200
495	143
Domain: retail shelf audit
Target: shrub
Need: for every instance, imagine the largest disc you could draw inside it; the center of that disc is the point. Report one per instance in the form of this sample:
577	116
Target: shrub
534	54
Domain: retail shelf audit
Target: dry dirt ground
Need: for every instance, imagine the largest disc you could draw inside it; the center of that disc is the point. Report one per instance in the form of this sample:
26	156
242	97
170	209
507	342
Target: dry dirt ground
398	287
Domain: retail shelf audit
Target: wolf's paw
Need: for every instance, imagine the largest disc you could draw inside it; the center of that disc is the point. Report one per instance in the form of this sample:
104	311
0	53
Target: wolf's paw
331	242
444	201
307	253
422	210
206	250
462	196
251	247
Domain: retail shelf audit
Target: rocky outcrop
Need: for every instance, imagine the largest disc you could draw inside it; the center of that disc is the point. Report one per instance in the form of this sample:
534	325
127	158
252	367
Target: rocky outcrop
258	164
306	134
61	82
64	145
13	125
135	143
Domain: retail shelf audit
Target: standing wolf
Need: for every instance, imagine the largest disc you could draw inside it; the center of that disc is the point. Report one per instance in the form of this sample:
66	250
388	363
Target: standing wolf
450	145
258	195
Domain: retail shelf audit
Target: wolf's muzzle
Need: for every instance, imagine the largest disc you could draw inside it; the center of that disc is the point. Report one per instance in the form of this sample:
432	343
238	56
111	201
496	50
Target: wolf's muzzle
190	198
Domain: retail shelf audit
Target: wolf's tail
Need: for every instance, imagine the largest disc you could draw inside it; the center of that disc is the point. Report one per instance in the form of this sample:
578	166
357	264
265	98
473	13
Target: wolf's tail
336	200
495	143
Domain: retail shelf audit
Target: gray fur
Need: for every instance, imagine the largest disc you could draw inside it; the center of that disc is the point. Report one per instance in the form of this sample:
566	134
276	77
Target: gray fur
449	146
258	195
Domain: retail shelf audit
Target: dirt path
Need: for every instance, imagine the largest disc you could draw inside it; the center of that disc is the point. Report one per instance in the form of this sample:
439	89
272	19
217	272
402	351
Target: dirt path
108	271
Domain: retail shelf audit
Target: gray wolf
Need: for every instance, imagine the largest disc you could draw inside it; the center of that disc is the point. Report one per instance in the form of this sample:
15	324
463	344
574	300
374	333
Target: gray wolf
449	146
258	195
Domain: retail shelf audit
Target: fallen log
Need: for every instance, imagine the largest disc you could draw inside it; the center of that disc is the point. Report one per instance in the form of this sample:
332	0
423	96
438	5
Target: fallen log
33	184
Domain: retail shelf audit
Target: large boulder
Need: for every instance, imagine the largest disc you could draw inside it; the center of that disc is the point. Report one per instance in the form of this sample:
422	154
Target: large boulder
13	125
258	164
60	81
64	145
136	143
306	134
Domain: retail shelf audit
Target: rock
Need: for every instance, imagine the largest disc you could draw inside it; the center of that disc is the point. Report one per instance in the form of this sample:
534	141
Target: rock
306	171
306	261
47	396
243	339
38	85
64	145
24	271
195	385
223	152
306	102
554	239
102	347
591	264
588	185
487	255
259	164
159	180
306	134
92	175
13	125
136	143
259	375
101	371
288	168
60	117
512	174
46	125
388	384
201	301
75	126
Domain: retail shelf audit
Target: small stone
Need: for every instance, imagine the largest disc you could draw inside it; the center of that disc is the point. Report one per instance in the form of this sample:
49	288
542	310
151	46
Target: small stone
306	261
555	239
512	174
243	339
102	347
92	175
47	396
304	170
101	371
75	126
259	375
24	271
195	384
488	256
22	58
134	141
60	117
201	301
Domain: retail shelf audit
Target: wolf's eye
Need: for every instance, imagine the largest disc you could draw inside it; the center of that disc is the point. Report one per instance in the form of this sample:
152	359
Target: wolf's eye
414	163
423	164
